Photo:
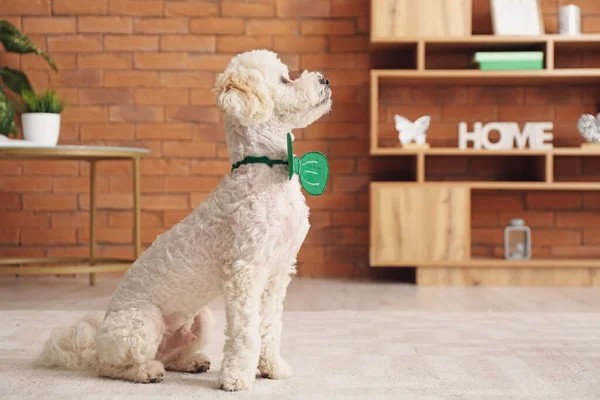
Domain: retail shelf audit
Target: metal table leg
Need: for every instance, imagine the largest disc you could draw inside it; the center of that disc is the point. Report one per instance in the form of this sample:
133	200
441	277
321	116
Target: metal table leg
92	219
137	229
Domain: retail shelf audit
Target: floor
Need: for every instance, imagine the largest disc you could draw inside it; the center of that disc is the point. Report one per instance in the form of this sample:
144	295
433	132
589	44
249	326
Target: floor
68	293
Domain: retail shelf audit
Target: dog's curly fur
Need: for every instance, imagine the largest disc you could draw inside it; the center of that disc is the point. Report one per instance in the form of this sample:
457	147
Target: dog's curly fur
241	242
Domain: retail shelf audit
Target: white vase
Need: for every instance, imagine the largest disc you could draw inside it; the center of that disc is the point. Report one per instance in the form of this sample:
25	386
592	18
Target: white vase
41	128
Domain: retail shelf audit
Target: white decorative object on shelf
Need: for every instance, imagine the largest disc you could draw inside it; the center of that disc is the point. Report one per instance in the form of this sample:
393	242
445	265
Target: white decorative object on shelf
41	128
409	132
537	135
569	20
517	17
589	127
517	240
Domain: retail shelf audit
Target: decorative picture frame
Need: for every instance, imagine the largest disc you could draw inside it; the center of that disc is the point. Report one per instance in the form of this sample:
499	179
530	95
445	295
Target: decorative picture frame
517	17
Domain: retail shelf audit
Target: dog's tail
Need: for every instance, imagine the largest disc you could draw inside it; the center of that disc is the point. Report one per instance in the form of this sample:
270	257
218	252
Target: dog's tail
73	347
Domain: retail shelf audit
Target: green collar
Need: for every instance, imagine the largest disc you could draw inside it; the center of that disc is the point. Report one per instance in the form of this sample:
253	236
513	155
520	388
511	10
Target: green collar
312	168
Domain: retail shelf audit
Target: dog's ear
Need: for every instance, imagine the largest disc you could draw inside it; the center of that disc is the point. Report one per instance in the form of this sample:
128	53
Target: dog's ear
243	94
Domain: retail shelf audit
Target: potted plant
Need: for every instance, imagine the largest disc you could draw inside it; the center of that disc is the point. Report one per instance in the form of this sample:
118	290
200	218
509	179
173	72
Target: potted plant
41	117
13	80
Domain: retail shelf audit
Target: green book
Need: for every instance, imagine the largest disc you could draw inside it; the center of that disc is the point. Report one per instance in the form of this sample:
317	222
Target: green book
509	61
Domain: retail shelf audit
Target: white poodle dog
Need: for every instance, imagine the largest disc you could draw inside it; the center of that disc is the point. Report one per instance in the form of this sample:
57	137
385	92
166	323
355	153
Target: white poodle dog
241	242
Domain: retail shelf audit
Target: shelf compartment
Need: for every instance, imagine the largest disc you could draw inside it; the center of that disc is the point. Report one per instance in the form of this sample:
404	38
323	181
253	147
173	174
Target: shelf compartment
485	168
499	263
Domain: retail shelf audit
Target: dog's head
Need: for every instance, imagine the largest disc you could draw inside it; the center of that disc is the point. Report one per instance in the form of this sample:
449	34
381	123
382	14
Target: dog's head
256	88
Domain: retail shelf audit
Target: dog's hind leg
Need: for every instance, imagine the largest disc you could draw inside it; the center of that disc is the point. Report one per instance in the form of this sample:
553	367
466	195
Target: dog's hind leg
270	364
190	358
127	342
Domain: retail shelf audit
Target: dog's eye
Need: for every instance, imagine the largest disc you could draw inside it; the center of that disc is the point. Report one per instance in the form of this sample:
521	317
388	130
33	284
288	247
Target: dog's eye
284	80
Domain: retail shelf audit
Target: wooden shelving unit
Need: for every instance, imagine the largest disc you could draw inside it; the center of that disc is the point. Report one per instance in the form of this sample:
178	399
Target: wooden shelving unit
425	223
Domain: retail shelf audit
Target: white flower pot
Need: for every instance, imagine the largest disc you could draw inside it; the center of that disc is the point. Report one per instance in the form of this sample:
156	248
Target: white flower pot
41	128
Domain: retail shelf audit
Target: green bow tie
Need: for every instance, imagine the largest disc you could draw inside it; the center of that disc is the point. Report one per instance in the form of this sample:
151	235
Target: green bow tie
312	168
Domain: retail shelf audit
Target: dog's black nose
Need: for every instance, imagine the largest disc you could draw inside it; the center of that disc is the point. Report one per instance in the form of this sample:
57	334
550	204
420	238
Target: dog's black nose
324	81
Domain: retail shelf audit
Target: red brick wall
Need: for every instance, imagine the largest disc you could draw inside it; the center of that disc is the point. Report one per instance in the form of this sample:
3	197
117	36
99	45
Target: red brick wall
139	72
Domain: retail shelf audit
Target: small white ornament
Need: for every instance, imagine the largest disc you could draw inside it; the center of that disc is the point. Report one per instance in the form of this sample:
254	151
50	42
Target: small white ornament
412	131
589	127
536	134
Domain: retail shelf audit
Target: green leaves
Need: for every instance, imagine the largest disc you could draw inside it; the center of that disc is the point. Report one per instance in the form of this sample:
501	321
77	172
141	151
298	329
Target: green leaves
14	41
15	80
7	116
47	102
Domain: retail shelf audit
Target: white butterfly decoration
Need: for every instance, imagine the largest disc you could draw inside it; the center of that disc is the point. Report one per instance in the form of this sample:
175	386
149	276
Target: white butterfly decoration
412	131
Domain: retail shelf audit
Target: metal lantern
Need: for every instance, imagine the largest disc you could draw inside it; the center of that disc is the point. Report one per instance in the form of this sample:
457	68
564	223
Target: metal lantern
517	240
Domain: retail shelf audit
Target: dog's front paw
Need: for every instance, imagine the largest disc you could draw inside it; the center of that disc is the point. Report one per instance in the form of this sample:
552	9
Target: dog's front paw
274	368
234	381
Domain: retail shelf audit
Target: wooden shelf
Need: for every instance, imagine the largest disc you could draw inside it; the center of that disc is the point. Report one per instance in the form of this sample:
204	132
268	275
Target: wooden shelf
491	39
521	186
501	263
453	151
415	77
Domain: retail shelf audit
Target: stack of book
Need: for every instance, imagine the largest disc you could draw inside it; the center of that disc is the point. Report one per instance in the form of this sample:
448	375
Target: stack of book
509	61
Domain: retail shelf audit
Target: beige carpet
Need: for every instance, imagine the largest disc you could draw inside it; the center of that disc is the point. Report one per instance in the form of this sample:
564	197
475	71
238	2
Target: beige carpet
347	355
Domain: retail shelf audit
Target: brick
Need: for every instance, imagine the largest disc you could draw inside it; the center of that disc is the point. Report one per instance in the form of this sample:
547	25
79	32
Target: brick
107	200
342	166
105	24
576	251
305	146
202	97
26	219
189	149
311	254
329	270
67	184
42	167
350	184
107	131
150	235
349	8
568	112
299	8
549	237
210	167
554	201
77	114
136	114
160	25
220	26
77	78
534	219
130	78
335	131
195	43
191	9
71	7
163	131
300	44
484	219
38	78
165	202
114	251
23	252
591	236
25	184
534	113
348	78
468	113
130	43
185	79
49	25
216	62
272	27
327	27
163	166
363	25
48	236
160	60
244	9
331	236
497	201
172	217
591	200
487	236
577	219
107	96
49	202
125	220
106	235
186	184
349	148
238	44
161	96
25	7
75	43
346	254
197	198
553	94
352	218
336	202
136	7
193	114
124	184
10	201
62	61
104	61
326	61
348	44
209	132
